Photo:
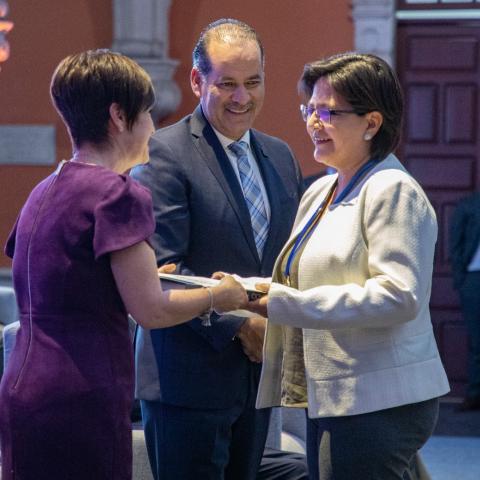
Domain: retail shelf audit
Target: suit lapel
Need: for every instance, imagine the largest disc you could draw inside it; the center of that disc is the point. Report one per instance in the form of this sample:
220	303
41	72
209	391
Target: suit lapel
214	156
273	185
473	238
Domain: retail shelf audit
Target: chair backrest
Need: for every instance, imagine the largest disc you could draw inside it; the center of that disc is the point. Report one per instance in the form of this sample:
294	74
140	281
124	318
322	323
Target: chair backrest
8	305
275	429
294	421
9	336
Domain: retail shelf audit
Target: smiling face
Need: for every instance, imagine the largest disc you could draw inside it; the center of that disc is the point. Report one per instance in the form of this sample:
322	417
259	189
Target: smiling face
232	93
344	143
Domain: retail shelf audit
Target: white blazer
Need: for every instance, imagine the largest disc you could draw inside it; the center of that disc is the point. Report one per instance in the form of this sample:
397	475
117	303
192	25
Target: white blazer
365	278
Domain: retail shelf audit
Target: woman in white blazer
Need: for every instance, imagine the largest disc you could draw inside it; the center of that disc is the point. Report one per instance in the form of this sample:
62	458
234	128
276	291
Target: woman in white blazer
349	332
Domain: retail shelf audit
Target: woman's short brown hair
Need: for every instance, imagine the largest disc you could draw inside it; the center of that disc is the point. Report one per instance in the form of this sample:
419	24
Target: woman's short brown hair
84	86
368	84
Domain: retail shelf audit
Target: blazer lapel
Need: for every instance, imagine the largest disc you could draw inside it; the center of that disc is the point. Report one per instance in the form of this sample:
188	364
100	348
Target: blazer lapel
214	156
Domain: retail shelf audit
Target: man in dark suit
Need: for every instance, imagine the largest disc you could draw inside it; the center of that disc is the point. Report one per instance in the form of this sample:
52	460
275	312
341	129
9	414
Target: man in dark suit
218	207
465	261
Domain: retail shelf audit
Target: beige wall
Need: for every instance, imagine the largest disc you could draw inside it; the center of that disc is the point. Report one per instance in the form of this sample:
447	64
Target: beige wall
293	32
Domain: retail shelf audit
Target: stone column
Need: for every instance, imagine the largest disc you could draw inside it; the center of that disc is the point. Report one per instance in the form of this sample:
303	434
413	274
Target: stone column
375	25
5	27
141	32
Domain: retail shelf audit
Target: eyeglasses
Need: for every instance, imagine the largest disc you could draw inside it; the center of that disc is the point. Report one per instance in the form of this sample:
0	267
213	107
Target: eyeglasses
323	114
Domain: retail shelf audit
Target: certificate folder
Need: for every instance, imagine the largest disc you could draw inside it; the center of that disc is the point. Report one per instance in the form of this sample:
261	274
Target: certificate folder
189	281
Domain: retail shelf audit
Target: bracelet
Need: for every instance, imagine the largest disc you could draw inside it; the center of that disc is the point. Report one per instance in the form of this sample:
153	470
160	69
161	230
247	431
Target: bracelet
206	315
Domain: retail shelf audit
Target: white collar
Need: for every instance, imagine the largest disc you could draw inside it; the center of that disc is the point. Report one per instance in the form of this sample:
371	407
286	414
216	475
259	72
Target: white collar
225	141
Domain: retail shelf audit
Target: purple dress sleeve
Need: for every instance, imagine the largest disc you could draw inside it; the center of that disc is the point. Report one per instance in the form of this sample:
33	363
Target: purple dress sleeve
123	217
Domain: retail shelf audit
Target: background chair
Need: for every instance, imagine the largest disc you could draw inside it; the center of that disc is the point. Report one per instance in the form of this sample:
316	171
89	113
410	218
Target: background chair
8	316
287	429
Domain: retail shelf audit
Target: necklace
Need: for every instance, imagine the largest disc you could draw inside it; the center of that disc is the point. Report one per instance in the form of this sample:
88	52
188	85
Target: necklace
318	214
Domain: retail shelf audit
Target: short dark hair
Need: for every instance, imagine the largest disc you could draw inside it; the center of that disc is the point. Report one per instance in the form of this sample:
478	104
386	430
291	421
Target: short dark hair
222	30
84	86
368	84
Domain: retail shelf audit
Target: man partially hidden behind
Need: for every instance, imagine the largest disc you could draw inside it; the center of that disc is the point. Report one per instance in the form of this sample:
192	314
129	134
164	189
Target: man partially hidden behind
225	196
5	27
465	259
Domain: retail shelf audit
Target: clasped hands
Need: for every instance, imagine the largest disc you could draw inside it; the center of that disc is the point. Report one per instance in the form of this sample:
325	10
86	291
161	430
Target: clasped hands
252	332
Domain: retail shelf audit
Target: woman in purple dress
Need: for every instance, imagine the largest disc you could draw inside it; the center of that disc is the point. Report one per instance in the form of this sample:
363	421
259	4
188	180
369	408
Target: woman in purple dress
81	261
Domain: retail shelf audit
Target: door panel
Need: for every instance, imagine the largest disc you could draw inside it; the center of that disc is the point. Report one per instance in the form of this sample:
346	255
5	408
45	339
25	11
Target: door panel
439	68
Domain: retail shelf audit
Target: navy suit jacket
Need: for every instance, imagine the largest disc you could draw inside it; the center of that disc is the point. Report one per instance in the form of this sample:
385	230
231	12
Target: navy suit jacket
203	225
464	236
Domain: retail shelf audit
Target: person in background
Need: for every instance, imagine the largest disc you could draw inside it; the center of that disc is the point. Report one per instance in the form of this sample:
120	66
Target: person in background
224	197
464	249
81	261
5	27
349	332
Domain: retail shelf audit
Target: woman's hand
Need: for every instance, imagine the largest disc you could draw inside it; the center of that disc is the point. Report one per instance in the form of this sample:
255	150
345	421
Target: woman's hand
229	295
263	287
259	306
168	268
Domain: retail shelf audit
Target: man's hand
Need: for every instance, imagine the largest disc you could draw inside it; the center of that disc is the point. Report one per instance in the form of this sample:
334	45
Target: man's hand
251	335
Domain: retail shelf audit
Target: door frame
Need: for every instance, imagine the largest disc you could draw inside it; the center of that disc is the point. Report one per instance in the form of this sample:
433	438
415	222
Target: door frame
375	23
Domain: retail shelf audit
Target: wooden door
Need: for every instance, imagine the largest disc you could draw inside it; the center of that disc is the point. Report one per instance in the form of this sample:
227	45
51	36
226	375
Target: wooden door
439	67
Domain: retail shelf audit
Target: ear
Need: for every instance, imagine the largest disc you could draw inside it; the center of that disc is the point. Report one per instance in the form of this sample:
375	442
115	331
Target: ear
196	82
374	122
117	117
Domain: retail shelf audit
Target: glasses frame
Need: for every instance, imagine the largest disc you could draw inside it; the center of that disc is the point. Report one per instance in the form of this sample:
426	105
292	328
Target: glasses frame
307	111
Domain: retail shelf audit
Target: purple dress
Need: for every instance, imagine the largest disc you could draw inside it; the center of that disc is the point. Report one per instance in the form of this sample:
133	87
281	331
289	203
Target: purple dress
67	392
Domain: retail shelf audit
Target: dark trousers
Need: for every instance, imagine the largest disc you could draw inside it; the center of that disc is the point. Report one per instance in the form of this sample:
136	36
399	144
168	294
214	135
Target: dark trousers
470	300
372	446
280	465
191	444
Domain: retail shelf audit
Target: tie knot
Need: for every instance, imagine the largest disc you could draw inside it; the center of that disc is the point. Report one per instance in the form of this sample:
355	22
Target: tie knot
239	148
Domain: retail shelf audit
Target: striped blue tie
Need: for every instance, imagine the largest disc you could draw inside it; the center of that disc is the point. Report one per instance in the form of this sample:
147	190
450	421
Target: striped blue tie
253	195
